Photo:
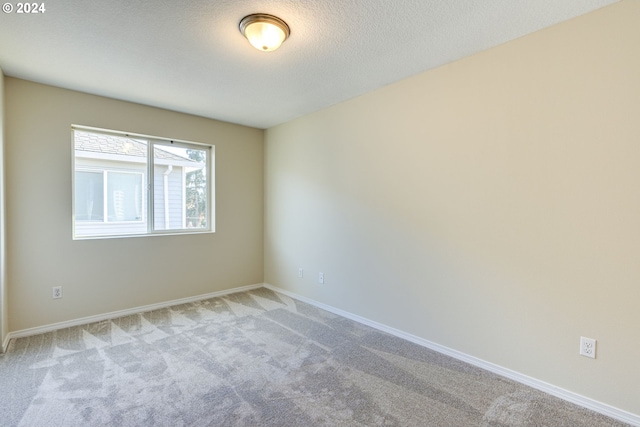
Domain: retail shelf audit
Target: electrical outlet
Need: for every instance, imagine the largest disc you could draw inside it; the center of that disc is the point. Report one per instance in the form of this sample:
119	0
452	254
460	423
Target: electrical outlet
588	347
300	273
57	292
321	278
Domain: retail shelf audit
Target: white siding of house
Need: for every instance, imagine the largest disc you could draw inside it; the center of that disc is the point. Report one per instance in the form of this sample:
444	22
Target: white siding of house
176	208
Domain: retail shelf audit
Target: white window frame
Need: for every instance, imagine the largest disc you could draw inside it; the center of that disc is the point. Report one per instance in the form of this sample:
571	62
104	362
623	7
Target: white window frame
152	142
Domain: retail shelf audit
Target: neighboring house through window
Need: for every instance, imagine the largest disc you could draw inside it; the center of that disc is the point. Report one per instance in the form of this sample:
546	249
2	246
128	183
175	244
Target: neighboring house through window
136	185
120	193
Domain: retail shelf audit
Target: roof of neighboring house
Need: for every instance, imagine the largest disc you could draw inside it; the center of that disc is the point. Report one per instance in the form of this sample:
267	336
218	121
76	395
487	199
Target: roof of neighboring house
123	145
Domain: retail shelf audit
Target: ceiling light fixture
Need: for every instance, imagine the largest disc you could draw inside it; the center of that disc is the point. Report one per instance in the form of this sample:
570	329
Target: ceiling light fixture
264	32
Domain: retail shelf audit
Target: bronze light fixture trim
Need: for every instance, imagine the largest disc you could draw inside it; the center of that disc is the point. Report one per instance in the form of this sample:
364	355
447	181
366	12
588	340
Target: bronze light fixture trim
265	32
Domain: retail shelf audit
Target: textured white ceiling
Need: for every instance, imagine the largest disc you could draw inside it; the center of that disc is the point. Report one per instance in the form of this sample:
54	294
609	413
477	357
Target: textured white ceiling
189	55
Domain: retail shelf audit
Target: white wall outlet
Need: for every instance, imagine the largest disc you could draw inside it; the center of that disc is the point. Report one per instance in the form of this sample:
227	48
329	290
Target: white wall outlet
321	278
57	292
588	347
300	273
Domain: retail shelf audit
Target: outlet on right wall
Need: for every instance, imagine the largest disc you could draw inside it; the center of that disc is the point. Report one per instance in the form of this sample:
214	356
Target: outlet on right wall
491	205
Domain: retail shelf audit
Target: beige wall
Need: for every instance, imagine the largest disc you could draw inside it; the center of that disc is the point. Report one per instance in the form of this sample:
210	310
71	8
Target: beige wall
101	276
491	205
4	310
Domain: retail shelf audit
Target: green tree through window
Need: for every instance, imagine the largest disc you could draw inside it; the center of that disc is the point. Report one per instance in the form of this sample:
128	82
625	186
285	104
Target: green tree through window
196	192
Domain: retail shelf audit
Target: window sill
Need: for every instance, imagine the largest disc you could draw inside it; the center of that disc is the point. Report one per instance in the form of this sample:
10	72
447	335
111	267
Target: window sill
154	234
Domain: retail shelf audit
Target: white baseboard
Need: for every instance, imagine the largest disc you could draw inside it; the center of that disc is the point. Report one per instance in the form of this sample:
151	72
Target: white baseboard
567	395
5	344
121	313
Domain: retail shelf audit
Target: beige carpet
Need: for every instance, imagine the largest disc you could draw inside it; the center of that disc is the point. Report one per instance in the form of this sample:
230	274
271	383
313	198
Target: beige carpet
256	358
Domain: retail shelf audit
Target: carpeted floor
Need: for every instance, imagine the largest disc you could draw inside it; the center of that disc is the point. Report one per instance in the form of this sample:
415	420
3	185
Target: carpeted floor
256	358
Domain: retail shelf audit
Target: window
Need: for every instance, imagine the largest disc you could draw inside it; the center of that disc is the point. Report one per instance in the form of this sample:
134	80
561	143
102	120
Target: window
127	184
